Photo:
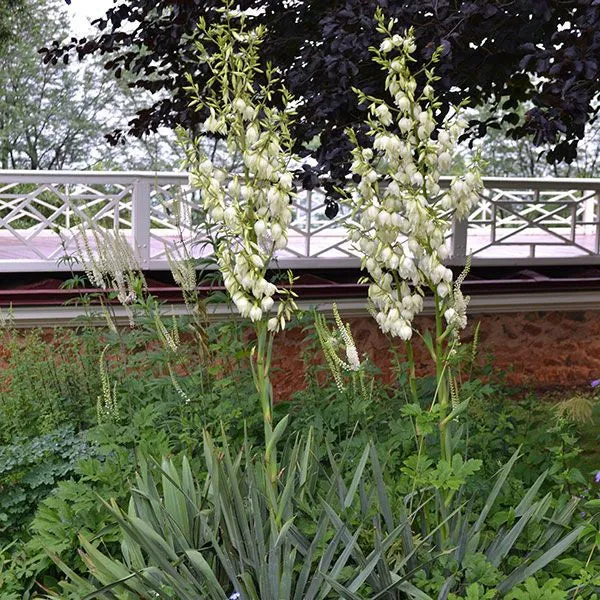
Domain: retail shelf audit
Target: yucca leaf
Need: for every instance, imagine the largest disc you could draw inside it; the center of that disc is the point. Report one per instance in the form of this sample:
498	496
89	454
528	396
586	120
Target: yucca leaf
340	589
356	479
412	591
276	435
204	569
455	412
284	532
287	572
311	548
114	585
251	593
103	566
446	588
324	563
523	572
305	462
149	539
382	495
385	574
366	570
342	559
502	476
284	501
225	559
559	522
504	544
83	584
336	476
461	536
529	497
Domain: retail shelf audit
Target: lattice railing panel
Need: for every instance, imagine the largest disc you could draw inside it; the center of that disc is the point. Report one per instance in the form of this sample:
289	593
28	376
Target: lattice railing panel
535	223
42	213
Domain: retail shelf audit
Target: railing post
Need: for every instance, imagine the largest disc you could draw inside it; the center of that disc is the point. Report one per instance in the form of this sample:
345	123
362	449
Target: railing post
140	217
308	223
597	224
458	248
589	212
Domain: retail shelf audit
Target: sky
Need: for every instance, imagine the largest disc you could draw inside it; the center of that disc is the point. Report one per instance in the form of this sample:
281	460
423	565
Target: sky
82	11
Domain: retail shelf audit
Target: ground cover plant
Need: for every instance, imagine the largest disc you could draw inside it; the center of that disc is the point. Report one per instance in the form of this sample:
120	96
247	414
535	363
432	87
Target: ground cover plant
497	423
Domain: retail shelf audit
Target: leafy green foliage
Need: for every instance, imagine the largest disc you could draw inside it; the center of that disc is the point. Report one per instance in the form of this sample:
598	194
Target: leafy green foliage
29	471
216	393
531	590
48	381
240	531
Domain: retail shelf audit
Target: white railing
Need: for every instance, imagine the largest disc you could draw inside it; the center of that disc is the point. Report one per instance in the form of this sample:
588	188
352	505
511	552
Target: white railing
42	214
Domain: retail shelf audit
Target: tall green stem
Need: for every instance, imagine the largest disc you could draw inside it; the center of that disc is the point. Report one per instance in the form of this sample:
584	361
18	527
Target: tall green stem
261	371
412	376
441	378
442	397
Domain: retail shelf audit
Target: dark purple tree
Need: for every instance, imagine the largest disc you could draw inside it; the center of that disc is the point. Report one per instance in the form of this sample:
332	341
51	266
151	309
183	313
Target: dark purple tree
501	54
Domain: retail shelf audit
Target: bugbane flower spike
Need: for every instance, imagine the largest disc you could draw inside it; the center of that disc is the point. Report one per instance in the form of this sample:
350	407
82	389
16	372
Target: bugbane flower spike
331	341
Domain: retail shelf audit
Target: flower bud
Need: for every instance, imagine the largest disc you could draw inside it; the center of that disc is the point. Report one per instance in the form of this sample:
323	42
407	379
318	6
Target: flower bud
383	218
239	105
444	161
229	214
260	227
285	181
405	332
234	187
383	114
404	124
267	303
242	304
443	137
443	289
276	231
217	213
251	135
396	65
403	103
450	315
205	167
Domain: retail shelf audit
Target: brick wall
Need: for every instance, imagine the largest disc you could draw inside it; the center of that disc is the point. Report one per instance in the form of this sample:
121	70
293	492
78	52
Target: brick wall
535	349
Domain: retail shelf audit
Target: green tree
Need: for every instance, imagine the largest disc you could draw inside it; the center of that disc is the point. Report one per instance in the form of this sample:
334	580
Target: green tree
50	115
510	156
56	116
8	9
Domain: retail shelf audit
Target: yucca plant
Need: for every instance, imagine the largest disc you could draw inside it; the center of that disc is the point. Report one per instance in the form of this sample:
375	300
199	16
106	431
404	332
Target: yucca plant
237	531
317	532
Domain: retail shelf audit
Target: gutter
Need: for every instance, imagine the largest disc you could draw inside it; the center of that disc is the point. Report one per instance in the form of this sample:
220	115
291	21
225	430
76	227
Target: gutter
45	304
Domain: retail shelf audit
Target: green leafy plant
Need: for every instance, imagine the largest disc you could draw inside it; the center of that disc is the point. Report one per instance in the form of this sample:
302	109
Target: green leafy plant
49	380
30	470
